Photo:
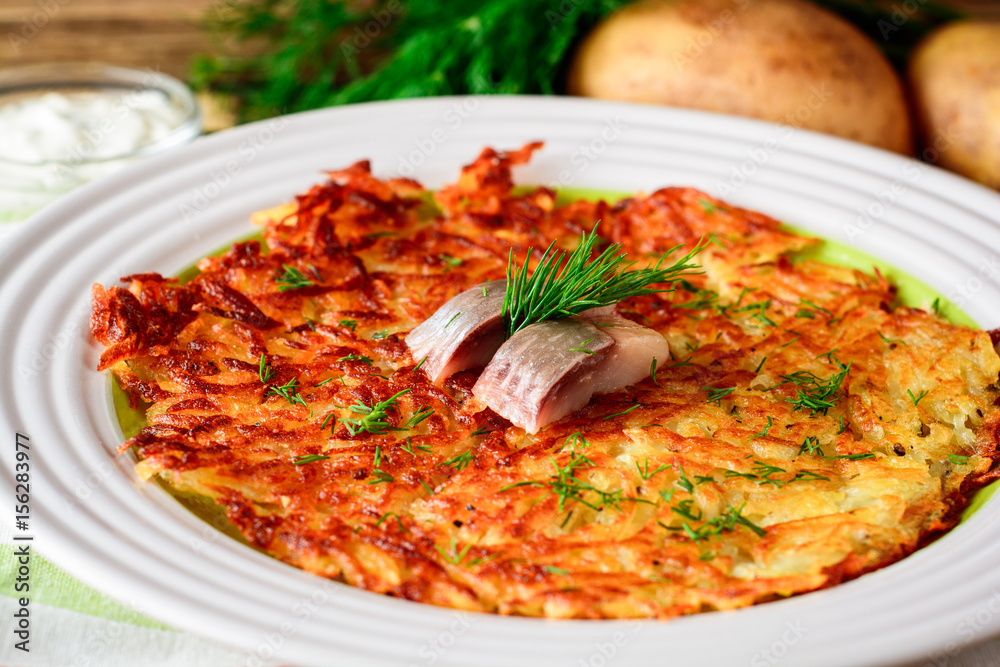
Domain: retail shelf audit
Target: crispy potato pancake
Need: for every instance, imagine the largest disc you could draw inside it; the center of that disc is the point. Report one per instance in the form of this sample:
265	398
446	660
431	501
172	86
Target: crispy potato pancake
806	429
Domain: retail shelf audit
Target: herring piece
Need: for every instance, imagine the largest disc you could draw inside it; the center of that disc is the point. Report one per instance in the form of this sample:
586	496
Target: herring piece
551	369
632	356
463	333
544	371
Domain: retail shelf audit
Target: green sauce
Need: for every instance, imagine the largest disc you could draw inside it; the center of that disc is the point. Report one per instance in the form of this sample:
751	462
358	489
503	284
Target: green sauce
910	292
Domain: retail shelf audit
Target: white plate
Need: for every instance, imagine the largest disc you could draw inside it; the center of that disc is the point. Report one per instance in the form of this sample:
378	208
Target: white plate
132	541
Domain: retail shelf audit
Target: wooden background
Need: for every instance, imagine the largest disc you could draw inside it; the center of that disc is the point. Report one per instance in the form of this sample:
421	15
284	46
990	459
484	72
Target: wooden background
161	34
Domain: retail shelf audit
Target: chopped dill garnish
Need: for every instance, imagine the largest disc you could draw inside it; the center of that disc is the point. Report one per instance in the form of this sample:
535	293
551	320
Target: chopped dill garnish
381	476
683	481
552	569
417	367
811	446
763	473
760	365
420	415
814	393
644	469
652	372
379	335
292	278
408	447
561	285
453	556
812	309
266	372
372	419
309	458
288	391
764	432
453	318
399	522
916	399
828	355
716	394
890	341
958	459
569	488
623	412
450	261
350	324
707	206
459	462
355	357
320	384
582	348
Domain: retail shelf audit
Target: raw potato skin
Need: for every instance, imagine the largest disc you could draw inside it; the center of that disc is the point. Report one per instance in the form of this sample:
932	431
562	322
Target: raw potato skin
955	76
779	60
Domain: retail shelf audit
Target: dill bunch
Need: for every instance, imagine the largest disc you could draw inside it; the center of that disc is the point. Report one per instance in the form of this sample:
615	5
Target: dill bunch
305	53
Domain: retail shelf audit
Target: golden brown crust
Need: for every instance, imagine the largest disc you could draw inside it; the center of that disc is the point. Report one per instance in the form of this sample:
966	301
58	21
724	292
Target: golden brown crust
667	498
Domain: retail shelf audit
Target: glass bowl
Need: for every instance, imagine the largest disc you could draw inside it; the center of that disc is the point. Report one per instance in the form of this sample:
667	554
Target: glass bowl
39	165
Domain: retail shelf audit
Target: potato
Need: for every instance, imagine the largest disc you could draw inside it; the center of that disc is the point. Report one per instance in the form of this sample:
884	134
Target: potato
955	75
780	60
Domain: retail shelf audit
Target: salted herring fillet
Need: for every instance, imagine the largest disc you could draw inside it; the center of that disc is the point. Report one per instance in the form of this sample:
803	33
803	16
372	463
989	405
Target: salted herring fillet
462	334
548	370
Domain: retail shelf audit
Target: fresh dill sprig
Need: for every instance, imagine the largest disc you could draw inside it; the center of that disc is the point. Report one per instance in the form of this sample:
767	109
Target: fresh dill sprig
917	398
292	278
958	459
562	286
350	324
372	419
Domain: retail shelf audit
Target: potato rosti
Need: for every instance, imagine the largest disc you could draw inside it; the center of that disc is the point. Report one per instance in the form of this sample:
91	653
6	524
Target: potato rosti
806	430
